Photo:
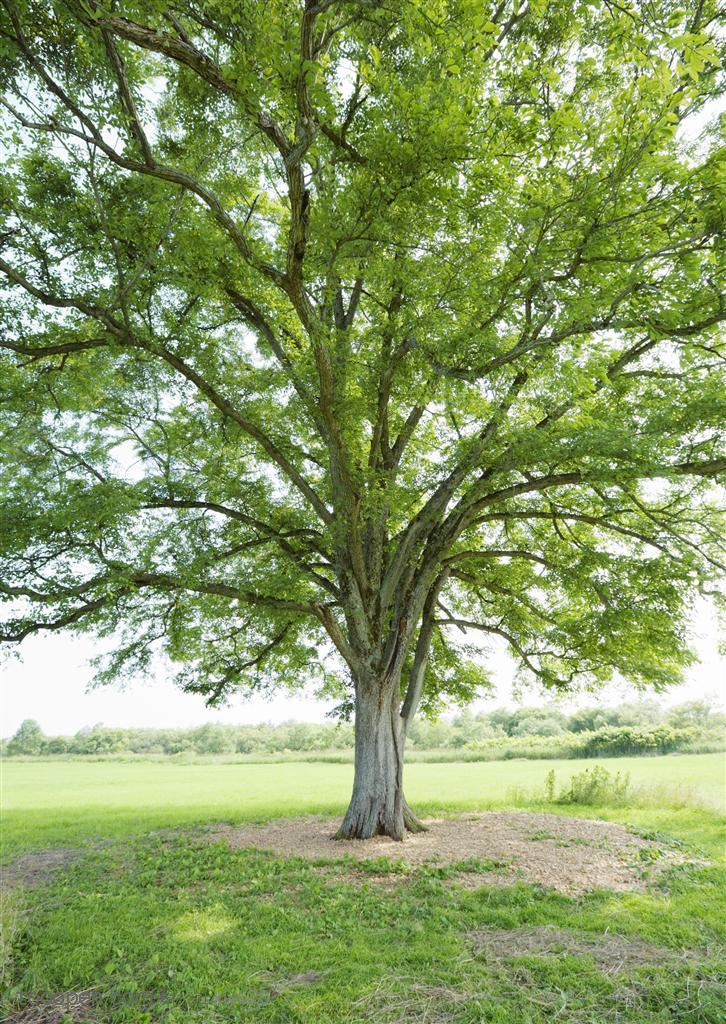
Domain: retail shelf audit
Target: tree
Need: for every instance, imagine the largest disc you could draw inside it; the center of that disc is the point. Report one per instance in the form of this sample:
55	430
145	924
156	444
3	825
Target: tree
211	739
642	713
27	740
693	714
589	719
538	725
339	333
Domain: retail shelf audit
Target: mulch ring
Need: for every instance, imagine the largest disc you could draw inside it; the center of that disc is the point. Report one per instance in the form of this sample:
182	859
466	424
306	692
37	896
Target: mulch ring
570	855
38	867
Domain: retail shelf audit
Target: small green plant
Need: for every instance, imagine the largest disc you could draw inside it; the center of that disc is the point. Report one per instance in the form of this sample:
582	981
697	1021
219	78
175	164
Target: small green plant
481	865
649	854
596	786
550	786
662	838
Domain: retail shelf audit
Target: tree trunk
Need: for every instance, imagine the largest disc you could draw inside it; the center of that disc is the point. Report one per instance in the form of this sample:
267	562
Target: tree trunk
378	806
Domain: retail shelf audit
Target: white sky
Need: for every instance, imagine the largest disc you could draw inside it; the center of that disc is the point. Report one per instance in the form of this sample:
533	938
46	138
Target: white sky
51	683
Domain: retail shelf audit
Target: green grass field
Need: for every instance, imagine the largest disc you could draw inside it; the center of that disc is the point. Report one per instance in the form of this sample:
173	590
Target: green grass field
47	803
164	928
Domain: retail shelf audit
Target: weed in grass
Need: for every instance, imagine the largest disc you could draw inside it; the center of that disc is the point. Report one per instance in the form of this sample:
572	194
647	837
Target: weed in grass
596	786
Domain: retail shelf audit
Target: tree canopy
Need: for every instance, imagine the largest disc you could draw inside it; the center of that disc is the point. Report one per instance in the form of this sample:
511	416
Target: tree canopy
337	333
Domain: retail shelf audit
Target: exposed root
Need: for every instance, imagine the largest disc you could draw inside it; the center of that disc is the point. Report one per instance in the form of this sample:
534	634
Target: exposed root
367	826
410	820
371	821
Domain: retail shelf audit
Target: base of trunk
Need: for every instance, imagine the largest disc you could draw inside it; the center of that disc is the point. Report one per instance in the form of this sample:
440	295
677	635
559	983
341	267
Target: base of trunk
378	806
372	819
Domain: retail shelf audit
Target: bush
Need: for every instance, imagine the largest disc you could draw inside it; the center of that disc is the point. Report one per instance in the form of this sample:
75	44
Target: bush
593	786
628	740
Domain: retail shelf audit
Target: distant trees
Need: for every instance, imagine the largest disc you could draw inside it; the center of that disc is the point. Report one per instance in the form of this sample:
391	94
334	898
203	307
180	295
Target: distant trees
27	740
694	714
632	728
635	713
539	725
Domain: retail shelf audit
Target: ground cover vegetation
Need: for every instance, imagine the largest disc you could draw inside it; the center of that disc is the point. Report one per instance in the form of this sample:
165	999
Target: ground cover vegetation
120	921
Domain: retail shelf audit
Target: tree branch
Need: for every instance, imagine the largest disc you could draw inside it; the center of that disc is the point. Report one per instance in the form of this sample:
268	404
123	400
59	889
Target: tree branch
124	337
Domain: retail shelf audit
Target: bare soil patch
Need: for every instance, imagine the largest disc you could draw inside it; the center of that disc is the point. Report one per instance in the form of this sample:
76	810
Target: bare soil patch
612	954
38	867
571	855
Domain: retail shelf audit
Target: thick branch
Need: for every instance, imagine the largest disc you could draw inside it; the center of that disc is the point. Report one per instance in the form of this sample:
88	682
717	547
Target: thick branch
414	689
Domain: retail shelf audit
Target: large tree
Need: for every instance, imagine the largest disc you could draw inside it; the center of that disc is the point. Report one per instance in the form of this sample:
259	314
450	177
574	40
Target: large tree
338	332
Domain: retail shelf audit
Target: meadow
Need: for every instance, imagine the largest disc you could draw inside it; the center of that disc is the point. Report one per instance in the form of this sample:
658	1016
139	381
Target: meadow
55	802
153	924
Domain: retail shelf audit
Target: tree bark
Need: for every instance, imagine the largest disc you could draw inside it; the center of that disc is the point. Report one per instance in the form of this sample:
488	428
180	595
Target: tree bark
378	806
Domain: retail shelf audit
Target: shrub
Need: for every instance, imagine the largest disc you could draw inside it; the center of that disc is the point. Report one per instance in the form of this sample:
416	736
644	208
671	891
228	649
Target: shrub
628	740
593	786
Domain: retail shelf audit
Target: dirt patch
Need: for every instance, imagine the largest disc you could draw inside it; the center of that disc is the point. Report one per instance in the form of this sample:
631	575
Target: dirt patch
68	1006
36	868
612	954
571	855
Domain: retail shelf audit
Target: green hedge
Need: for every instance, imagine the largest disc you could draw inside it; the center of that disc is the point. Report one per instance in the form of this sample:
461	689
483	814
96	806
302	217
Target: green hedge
623	741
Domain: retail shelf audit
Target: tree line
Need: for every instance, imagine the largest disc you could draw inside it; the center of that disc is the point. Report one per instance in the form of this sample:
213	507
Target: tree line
630	728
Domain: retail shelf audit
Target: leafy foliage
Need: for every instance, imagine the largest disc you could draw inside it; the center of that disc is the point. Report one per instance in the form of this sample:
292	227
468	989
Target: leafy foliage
335	331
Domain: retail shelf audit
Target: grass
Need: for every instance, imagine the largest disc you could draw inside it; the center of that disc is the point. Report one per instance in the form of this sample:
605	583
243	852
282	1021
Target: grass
166	928
47	803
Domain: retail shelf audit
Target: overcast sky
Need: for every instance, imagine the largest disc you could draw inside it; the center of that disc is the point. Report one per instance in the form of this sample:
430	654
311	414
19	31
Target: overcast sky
51	683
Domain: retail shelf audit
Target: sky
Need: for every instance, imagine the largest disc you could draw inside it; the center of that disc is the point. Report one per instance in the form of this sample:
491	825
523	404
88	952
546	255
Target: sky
51	685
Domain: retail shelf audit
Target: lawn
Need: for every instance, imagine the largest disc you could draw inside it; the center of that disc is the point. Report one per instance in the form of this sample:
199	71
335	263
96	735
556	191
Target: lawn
167	928
51	802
